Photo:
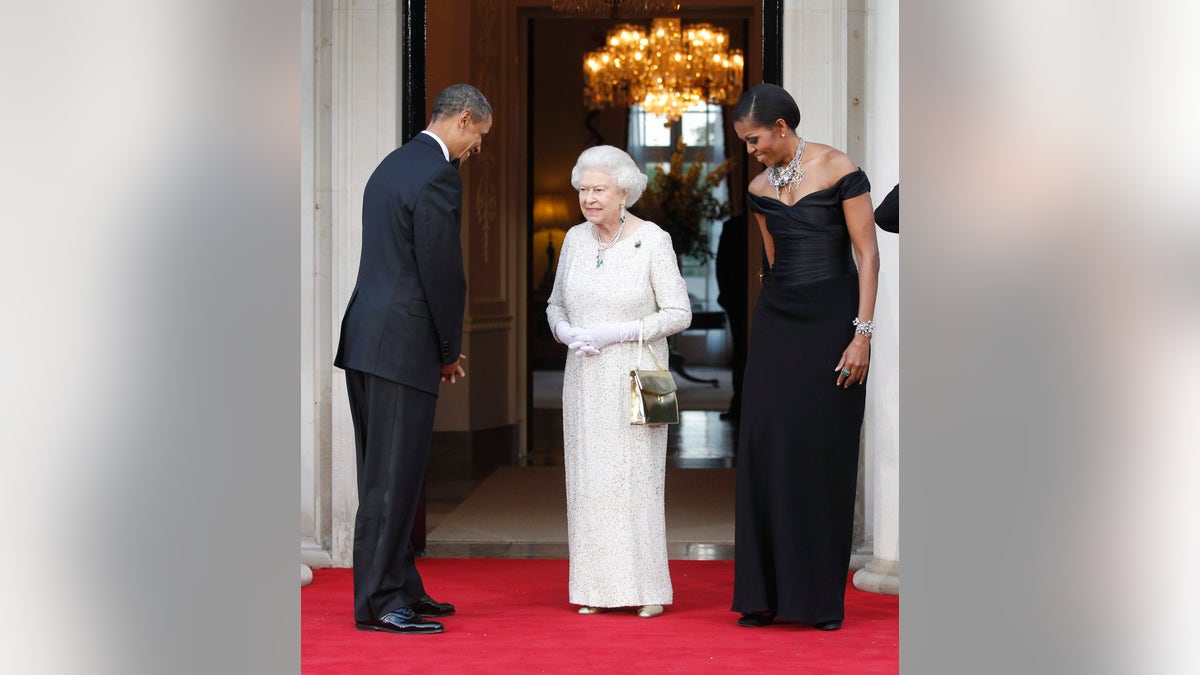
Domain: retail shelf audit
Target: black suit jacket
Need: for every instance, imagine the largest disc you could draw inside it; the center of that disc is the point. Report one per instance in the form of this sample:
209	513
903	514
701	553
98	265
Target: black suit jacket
405	316
731	267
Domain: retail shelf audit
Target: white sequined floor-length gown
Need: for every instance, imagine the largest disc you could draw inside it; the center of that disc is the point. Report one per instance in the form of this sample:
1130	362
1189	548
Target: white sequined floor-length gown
616	472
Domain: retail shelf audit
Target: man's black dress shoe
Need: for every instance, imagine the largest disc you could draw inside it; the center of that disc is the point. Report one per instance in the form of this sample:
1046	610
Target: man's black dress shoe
428	608
828	625
756	620
402	620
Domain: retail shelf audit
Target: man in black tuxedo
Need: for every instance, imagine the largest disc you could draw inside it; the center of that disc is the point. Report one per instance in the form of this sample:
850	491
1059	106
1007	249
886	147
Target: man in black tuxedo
401	337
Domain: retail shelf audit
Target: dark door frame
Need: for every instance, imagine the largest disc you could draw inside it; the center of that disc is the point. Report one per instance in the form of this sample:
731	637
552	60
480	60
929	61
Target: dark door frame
412	68
413	24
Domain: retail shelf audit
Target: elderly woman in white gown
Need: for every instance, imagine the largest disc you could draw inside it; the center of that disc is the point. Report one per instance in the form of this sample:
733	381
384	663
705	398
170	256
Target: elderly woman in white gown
616	273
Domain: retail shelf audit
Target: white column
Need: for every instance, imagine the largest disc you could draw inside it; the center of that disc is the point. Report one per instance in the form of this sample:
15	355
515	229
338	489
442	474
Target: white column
882	573
823	61
351	90
815	64
818	70
308	511
365	125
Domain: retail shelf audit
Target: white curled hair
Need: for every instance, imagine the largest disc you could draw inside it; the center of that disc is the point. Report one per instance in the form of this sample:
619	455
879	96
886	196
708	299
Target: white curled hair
619	166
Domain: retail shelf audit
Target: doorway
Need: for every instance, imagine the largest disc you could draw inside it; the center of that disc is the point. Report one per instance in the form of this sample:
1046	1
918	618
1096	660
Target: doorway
559	126
532	75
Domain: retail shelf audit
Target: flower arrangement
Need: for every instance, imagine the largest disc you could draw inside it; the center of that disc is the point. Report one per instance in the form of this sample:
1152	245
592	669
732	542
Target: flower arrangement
681	202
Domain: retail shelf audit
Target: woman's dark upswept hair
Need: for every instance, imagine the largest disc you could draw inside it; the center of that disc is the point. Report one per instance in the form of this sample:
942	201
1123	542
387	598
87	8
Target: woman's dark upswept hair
762	104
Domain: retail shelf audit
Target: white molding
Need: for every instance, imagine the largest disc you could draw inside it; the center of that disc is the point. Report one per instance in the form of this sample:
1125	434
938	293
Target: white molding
345	241
308	332
364	127
815	67
820	71
883	144
314	555
879	576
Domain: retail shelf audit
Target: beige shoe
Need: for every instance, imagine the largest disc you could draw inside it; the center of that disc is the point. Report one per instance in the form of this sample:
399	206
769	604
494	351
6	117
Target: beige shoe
589	610
650	611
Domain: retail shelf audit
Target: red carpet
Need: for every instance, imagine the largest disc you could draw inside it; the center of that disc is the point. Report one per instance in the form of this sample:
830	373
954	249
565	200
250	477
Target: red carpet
513	617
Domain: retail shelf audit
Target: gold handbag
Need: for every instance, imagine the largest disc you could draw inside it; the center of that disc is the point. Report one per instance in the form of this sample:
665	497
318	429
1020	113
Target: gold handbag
652	397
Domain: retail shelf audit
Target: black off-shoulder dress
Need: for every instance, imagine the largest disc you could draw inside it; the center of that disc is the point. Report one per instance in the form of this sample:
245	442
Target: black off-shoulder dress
798	446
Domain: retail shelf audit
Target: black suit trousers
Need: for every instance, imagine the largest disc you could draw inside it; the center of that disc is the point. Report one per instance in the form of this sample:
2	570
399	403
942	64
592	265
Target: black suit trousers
393	425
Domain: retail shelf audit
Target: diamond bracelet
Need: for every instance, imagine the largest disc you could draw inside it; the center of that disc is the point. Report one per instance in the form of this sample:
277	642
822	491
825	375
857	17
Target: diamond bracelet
863	327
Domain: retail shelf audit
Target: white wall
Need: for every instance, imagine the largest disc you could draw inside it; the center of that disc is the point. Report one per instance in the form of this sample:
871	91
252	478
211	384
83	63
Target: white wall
883	150
851	100
351	93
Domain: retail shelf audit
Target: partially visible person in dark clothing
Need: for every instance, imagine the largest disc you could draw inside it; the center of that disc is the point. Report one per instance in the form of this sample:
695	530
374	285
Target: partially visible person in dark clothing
731	296
887	216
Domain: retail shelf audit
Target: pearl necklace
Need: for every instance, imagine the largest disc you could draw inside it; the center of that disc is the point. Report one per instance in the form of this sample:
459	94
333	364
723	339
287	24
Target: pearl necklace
790	176
602	246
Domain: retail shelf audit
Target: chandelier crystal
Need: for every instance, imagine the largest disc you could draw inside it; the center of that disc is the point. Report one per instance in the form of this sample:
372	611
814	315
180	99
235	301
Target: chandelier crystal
666	69
615	9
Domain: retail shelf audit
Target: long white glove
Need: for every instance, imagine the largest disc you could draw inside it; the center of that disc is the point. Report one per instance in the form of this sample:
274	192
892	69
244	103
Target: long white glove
589	341
564	332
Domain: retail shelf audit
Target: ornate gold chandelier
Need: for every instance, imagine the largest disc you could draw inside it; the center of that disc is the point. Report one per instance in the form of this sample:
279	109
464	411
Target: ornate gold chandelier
615	8
666	70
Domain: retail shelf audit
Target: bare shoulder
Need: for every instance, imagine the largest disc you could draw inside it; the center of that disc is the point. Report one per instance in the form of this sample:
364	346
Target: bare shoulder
761	185
827	164
830	158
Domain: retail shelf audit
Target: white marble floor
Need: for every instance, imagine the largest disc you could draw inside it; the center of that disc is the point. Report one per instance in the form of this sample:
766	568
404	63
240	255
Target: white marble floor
702	441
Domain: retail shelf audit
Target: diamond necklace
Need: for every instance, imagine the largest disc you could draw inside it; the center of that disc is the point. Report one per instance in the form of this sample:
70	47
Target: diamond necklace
602	246
790	176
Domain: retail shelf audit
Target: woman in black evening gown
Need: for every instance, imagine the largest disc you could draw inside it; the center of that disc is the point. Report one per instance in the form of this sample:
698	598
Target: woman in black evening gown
803	393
